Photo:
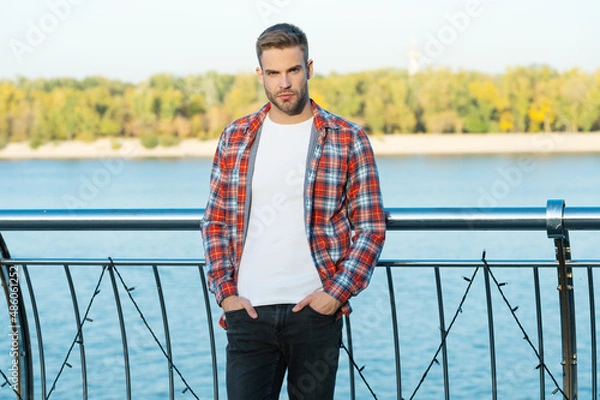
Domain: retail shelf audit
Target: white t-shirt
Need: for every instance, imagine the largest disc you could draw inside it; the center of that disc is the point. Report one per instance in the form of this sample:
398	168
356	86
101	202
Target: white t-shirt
276	265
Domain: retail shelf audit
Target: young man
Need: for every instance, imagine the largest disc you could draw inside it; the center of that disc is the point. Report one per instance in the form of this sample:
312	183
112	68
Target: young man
293	228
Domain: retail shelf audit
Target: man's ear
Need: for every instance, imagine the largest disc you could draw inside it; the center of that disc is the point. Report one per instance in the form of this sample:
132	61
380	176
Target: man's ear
309	69
259	74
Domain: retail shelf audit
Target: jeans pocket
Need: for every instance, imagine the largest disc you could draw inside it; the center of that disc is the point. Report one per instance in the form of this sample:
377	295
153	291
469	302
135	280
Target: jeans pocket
318	314
235	314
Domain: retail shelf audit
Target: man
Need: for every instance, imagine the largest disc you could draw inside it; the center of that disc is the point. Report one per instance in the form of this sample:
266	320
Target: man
293	228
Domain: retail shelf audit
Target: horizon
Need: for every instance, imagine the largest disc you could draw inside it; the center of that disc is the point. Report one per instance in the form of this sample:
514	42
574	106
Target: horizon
317	74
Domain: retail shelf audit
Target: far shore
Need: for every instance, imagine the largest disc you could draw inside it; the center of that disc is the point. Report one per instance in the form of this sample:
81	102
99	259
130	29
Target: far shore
383	145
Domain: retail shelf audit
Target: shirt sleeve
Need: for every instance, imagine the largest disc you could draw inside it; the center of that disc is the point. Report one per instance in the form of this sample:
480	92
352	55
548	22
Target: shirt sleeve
216	240
367	220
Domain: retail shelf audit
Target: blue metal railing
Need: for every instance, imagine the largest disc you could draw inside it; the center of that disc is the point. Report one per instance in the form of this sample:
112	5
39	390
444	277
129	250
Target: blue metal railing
555	219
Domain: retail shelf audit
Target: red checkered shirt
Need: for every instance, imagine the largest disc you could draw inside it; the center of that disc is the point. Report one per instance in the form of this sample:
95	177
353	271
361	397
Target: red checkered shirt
344	215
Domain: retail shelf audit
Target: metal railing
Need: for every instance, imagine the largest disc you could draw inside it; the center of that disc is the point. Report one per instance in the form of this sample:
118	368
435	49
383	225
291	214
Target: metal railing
29	371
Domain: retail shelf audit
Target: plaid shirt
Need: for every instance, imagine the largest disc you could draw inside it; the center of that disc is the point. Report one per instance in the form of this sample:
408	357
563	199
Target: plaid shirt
344	215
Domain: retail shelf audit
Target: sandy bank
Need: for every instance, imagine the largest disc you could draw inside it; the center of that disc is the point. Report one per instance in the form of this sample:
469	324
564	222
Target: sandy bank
426	144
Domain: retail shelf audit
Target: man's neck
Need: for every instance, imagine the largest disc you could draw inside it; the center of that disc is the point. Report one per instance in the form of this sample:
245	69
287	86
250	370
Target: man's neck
279	117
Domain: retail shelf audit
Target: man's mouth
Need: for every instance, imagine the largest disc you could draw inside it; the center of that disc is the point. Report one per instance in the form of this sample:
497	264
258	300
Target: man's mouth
286	96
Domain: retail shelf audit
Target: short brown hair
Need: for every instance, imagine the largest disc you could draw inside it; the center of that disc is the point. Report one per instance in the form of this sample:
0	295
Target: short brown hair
282	36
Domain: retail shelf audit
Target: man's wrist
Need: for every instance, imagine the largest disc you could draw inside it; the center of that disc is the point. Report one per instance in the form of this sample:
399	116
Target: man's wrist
226	302
337	293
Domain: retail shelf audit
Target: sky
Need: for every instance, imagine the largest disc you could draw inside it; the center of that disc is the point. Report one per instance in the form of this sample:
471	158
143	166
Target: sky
131	40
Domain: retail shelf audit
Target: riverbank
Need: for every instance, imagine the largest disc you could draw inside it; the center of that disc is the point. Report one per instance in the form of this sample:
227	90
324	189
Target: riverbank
388	145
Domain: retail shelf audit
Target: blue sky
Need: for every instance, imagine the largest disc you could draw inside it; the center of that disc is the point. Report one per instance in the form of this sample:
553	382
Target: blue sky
133	39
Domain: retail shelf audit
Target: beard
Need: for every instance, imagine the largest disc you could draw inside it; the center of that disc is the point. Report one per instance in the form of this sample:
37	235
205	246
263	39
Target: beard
293	106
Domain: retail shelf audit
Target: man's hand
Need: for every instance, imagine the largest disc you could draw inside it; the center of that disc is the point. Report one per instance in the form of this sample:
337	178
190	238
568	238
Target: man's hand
320	301
233	303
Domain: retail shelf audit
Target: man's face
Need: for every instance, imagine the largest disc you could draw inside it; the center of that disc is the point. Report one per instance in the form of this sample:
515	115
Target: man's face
284	75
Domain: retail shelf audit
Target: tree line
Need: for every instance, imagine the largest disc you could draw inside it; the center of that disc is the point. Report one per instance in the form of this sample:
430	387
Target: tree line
166	109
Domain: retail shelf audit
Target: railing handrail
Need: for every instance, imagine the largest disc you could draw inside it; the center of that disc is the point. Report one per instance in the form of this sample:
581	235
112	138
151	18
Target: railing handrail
398	219
398	263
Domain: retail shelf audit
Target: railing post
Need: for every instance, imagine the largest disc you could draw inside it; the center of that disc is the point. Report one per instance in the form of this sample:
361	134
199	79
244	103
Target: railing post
556	231
21	378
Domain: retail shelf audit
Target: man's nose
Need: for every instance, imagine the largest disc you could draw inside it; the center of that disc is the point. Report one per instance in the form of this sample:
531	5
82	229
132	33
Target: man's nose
285	81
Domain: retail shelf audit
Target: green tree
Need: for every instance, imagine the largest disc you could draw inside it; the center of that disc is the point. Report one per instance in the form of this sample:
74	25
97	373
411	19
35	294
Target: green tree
487	103
591	114
343	94
374	107
573	100
542	109
434	94
243	98
395	93
517	84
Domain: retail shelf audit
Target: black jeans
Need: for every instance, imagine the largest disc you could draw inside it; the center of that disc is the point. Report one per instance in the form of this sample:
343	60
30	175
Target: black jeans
259	351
